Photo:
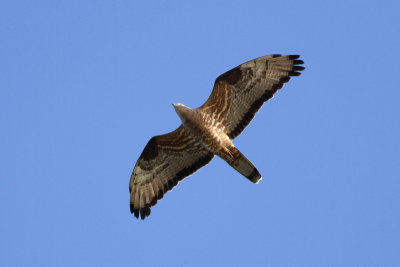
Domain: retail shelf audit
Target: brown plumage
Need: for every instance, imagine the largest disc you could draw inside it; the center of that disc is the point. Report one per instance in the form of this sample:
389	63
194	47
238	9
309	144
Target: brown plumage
209	130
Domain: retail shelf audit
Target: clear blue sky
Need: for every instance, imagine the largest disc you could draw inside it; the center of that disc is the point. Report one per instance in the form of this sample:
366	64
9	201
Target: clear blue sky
85	84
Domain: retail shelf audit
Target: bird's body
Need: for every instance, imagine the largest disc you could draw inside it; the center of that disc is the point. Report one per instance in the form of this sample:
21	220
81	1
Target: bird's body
205	129
209	130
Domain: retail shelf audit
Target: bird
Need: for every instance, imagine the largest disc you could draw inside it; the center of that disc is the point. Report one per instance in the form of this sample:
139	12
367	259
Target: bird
207	131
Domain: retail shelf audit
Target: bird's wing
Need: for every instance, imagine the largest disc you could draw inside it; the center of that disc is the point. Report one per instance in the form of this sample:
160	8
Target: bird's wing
165	161
239	93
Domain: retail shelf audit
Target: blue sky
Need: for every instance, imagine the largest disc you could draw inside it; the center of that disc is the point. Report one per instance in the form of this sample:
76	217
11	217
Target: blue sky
85	84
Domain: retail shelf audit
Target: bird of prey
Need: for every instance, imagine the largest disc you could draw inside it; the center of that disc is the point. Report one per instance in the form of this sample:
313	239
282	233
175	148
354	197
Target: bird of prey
209	130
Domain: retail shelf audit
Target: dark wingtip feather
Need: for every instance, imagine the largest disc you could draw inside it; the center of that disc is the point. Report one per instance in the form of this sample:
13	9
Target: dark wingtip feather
284	79
136	213
142	214
294	73
145	212
298	62
298	68
131	207
294	56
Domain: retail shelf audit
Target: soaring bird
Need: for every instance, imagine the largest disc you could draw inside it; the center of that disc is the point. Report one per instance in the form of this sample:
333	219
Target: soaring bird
209	130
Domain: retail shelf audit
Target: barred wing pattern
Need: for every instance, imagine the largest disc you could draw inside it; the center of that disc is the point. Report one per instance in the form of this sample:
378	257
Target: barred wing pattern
165	161
239	93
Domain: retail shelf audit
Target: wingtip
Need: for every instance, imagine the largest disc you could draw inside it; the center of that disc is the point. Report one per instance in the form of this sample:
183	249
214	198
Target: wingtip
298	62
145	212
136	213
294	57
298	68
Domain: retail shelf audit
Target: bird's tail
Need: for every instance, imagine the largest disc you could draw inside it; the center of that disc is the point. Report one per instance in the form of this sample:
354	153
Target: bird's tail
244	166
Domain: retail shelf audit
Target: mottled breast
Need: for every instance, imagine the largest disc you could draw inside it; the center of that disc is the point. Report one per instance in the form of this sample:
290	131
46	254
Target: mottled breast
214	136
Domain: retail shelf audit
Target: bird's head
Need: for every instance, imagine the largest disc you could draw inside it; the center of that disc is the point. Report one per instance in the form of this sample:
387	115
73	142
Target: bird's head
179	107
182	111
